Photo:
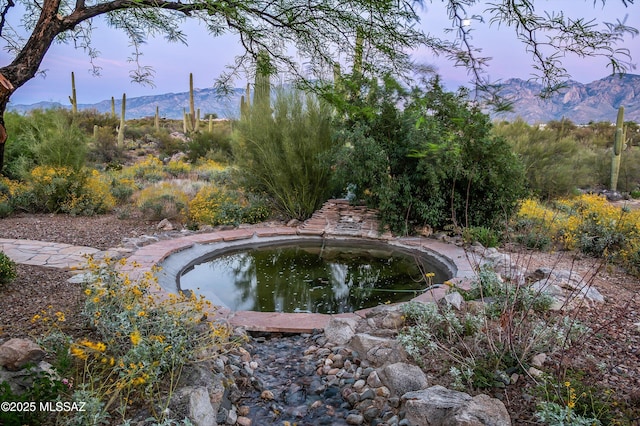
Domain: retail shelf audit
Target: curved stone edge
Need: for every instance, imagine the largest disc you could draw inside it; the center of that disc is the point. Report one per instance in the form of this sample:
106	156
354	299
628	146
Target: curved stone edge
200	245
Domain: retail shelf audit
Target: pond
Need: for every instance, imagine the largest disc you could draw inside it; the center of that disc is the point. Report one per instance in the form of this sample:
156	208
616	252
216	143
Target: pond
318	277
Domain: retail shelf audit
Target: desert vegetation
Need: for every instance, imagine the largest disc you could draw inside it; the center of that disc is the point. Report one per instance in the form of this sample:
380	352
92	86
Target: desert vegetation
422	156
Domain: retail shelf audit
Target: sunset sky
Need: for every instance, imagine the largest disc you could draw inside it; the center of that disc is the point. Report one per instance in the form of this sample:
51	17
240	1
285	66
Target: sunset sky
206	56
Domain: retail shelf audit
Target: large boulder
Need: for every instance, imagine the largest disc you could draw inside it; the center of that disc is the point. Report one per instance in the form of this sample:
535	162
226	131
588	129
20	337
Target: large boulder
401	378
340	331
439	406
193	402
16	353
565	287
378	350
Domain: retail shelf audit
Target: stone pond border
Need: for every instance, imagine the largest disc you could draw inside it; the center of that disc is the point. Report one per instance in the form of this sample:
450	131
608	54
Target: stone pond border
172	256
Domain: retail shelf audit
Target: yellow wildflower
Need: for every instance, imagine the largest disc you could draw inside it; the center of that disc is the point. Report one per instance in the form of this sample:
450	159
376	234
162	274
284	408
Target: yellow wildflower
135	338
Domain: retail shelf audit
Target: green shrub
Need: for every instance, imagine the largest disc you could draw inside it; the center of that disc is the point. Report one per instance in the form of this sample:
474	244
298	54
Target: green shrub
7	269
42	387
104	148
485	236
206	145
432	162
122	189
19	156
60	143
167	145
561	157
281	154
64	190
85	119
162	201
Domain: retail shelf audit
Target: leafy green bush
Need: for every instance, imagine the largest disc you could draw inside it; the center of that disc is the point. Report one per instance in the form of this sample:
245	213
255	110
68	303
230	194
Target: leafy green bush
43	137
104	148
207	144
281	154
7	269
432	162
485	236
561	157
42	388
167	144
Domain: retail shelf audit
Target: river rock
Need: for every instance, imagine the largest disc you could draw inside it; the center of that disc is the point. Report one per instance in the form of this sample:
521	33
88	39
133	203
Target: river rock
439	406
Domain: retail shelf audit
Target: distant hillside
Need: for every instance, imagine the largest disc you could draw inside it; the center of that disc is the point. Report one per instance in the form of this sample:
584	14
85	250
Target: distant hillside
580	103
171	104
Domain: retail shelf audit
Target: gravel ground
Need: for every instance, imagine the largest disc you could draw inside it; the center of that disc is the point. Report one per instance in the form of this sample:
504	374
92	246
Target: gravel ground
610	356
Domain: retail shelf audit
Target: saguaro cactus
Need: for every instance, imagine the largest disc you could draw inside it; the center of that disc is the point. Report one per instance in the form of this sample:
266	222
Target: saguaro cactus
618	147
245	101
113	107
262	87
156	120
72	98
192	106
123	108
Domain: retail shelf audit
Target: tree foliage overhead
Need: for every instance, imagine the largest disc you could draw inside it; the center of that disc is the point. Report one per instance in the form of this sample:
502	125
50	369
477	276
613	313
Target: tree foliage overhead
320	30
379	34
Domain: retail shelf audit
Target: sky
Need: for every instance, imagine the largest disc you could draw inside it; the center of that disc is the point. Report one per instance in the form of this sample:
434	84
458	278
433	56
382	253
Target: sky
206	56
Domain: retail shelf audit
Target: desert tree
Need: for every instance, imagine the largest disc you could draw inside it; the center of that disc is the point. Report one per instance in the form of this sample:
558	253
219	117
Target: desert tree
322	33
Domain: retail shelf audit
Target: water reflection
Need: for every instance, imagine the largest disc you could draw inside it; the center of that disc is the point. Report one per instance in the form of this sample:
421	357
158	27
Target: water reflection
308	279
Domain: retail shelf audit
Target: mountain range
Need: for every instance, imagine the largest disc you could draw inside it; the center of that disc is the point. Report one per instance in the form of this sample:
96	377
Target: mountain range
578	102
171	105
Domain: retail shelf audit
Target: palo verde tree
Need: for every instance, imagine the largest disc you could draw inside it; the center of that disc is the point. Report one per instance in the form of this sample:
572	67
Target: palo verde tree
323	32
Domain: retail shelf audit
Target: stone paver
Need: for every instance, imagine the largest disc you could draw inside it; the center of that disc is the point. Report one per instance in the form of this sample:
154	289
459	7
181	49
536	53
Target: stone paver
55	255
336	219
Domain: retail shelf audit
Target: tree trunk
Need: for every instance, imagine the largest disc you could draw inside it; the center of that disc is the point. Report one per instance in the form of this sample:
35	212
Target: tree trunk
4	99
25	66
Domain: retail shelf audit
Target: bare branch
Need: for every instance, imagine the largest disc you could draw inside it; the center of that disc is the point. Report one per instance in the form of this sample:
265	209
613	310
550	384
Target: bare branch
3	14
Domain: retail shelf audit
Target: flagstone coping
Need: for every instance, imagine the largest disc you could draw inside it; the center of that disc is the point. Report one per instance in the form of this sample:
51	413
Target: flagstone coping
174	255
43	253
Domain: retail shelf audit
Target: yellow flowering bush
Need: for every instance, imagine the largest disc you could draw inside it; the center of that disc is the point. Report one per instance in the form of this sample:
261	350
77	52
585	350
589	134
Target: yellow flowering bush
178	168
214	206
588	223
94	196
122	188
62	190
150	169
212	171
142	340
217	206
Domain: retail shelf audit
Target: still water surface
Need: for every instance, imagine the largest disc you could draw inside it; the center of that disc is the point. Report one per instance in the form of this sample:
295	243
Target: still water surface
310	278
